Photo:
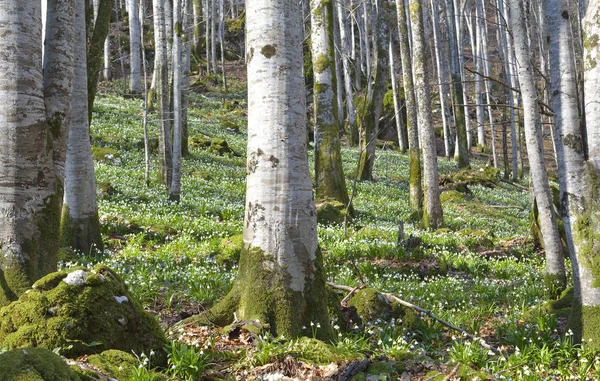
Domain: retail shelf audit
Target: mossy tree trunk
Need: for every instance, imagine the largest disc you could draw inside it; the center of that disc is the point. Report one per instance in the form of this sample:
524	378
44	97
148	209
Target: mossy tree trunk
461	152
97	27
432	216
555	268
415	189
30	192
329	174
80	228
280	281
579	180
374	102
162	92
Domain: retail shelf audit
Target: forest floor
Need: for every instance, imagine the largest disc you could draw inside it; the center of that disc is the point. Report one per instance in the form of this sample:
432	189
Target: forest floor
481	272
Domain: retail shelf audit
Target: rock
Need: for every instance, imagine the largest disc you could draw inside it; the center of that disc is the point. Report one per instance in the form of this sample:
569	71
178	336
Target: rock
34	364
81	314
370	305
114	363
330	212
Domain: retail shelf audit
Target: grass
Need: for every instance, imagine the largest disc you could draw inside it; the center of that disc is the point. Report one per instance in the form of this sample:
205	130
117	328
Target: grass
481	272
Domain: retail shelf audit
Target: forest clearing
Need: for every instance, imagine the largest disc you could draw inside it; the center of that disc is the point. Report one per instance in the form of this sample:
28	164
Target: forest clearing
280	190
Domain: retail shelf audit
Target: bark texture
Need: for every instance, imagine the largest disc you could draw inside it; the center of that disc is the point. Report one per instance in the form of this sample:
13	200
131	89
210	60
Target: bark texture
58	76
80	228
329	174
280	281
415	189
555	268
29	191
432	215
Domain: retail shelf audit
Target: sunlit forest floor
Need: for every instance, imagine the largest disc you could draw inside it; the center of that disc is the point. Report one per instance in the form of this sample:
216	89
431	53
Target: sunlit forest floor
481	272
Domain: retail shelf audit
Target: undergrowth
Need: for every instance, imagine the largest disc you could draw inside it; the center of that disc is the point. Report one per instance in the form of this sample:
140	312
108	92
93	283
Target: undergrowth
481	272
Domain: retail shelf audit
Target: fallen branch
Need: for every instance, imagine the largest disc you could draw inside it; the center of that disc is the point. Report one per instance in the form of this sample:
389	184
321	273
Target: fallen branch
515	185
428	313
453	372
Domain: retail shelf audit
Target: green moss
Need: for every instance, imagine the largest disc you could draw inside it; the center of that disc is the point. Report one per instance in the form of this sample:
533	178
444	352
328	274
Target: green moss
585	324
33	364
452	196
330	212
319	353
262	293
230	250
114	363
321	63
370	305
82	319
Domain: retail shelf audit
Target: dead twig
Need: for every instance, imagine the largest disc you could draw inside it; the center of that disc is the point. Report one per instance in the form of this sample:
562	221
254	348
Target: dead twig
430	314
515	185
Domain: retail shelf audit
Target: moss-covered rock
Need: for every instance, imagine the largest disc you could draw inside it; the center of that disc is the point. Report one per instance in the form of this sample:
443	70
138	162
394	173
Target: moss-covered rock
477	238
114	363
230	250
34	364
370	305
217	145
81	311
330	212
486	176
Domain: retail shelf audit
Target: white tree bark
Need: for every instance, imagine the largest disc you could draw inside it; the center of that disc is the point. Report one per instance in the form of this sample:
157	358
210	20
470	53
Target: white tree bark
213	36
106	68
343	25
58	76
480	109
458	17
177	109
440	75
221	42
432	215
279	281
329	175
80	227
400	128
535	150
488	89
162	92
135	67
415	189
29	192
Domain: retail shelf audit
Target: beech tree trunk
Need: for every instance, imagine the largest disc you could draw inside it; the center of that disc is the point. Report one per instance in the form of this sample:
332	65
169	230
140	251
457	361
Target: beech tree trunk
578	176
177	109
432	215
58	76
280	281
79	227
135	65
461	153
555	268
374	103
162	93
329	174
415	190
30	192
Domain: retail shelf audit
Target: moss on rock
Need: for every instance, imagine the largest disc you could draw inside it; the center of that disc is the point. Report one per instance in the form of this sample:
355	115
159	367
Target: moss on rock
370	305
330	212
103	153
114	363
81	311
34	364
